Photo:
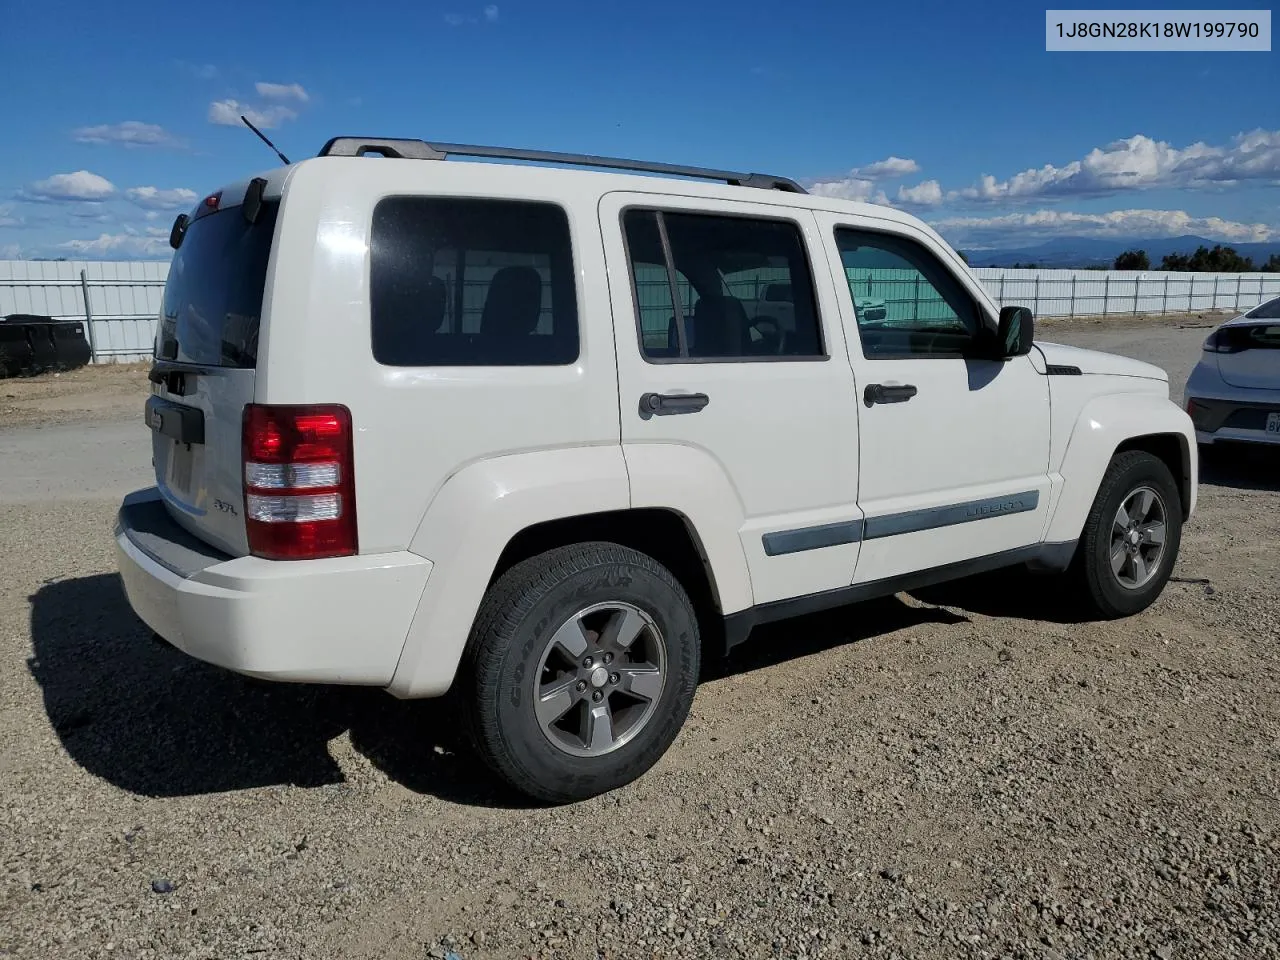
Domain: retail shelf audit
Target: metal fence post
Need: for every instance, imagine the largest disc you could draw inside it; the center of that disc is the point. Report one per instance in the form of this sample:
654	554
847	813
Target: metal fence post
1001	303
1216	278
1035	296
1071	311
88	318
1106	293
1137	285
1239	280
1164	298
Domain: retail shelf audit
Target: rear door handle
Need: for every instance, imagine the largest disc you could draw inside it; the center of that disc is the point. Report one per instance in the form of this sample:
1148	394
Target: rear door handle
887	393
666	404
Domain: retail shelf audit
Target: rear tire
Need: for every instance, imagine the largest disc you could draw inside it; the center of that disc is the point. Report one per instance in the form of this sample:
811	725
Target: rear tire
580	670
1131	536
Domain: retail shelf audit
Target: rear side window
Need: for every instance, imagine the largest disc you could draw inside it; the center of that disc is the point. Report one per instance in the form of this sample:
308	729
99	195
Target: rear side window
213	294
461	282
711	287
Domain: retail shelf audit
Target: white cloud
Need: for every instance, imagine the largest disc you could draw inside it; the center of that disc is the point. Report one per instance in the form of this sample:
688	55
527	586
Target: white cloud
1139	224
925	194
130	133
886	169
81	185
489	13
860	184
227	113
153	243
282	91
850	188
201	71
153	198
1139	163
7	218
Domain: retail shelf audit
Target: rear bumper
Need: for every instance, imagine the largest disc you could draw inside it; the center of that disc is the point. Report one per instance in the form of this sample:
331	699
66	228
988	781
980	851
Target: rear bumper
1236	421
340	620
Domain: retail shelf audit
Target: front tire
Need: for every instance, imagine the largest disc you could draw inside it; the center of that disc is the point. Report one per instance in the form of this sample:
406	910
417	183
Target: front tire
580	670
1131	536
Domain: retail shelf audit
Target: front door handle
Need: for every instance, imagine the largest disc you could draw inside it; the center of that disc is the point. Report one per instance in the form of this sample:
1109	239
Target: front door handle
887	393
666	404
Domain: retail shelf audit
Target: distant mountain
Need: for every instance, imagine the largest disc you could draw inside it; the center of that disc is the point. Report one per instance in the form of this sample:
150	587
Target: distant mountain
1093	252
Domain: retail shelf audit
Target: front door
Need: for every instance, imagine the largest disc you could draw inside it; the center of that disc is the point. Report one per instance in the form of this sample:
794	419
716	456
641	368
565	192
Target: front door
953	450
736	396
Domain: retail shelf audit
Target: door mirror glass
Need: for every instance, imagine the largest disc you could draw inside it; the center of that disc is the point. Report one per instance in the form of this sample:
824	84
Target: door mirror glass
1016	331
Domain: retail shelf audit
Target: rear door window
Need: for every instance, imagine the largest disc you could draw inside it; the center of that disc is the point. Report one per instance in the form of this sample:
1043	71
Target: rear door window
213	294
463	282
700	284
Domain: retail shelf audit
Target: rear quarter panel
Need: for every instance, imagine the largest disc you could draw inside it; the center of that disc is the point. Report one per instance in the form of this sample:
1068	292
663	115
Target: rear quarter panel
415	427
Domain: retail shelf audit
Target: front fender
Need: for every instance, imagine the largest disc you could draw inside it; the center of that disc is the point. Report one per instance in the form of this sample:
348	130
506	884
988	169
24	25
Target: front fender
1104	424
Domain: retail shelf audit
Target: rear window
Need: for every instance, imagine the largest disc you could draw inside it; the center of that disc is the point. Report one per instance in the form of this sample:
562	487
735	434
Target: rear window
462	282
213	295
1268	310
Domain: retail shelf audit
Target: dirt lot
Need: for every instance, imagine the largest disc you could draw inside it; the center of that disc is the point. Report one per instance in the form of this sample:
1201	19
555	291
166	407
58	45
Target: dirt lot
965	773
108	392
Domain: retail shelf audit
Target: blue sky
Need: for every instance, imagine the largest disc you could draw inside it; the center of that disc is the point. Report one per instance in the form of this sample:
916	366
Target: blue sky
115	121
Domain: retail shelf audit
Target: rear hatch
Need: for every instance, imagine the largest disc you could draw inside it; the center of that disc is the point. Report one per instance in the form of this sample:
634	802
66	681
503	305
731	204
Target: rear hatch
1249	352
204	370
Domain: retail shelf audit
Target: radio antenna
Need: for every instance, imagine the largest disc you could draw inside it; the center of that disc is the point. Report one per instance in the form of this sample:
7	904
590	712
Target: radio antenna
263	137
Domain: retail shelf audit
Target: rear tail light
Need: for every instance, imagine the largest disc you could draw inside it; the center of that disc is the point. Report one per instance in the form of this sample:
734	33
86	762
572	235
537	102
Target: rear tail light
299	481
1225	340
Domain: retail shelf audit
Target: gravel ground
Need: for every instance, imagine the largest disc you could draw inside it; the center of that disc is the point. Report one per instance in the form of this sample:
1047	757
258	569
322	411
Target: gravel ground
113	391
963	773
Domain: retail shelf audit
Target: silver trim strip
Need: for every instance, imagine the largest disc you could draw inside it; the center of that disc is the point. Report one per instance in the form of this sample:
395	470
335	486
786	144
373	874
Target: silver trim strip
911	521
811	538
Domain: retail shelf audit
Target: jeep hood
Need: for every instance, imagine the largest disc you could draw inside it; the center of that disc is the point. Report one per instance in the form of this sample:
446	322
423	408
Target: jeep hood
1096	362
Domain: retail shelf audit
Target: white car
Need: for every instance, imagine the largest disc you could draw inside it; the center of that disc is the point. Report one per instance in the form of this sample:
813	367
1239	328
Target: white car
504	431
1233	394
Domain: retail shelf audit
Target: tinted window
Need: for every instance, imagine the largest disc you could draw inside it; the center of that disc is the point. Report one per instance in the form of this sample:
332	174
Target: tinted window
714	302
906	302
472	283
213	295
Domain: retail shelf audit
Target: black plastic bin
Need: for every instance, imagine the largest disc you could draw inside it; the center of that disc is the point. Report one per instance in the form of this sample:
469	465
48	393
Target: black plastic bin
32	344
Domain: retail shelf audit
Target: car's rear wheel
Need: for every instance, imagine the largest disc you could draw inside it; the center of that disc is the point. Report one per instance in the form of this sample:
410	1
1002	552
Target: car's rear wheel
1131	536
580	670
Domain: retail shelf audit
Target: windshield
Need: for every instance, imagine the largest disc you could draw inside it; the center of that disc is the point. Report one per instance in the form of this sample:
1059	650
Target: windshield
213	295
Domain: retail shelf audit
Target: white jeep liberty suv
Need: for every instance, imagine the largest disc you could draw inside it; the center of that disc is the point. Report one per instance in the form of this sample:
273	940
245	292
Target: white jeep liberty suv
541	436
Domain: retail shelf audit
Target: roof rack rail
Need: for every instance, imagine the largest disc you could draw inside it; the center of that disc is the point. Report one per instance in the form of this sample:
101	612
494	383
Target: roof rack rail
422	150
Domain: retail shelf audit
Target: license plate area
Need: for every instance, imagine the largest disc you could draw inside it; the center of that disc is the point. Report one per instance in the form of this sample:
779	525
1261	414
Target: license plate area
1273	423
179	469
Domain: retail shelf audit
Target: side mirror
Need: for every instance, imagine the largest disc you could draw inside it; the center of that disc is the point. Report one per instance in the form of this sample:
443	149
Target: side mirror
179	230
1016	331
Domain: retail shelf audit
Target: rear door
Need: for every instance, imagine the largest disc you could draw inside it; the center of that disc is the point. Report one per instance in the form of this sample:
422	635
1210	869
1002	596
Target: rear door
750	393
205	369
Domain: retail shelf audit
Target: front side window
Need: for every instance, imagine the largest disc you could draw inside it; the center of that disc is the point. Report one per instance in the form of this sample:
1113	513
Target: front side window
721	288
460	282
906	302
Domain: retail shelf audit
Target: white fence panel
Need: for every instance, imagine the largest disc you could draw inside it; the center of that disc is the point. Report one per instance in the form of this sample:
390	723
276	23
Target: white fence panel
123	298
1079	293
